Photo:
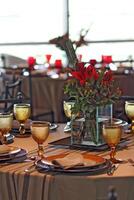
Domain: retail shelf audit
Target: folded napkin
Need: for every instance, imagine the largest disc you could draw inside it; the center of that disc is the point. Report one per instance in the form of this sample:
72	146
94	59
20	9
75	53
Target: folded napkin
69	161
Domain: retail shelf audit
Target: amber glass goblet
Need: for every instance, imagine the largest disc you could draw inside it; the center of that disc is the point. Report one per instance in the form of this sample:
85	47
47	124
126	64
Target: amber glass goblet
22	113
112	134
40	132
6	122
129	109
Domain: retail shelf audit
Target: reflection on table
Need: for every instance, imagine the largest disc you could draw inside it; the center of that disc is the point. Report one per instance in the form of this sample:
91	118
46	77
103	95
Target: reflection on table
16	184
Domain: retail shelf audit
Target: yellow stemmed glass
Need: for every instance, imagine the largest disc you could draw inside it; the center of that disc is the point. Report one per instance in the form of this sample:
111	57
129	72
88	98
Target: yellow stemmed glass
6	122
129	109
22	113
40	132
67	106
112	134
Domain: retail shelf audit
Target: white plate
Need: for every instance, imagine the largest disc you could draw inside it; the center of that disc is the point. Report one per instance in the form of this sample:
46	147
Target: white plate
53	126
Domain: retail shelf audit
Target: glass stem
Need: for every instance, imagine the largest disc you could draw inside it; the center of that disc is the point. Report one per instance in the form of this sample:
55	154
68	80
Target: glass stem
112	153
22	129
40	151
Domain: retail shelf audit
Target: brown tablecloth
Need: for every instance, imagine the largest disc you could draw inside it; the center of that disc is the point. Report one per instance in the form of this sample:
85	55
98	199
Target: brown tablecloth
126	83
16	185
47	95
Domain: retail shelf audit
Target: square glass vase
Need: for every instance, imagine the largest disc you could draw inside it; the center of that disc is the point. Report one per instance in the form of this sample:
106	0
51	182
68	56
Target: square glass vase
89	131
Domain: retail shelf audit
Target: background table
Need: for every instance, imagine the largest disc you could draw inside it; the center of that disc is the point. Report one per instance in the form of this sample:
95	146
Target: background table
48	94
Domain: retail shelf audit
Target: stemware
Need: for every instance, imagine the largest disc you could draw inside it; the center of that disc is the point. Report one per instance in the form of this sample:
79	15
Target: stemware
112	134
22	113
67	106
129	109
40	132
6	121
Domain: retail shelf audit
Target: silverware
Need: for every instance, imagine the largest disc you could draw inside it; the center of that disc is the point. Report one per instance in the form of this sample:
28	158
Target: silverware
112	169
30	169
131	161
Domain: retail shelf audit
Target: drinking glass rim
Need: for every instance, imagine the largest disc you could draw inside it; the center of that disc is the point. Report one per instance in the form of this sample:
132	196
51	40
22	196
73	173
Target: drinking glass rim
5	115
40	122
129	102
22	105
110	124
69	102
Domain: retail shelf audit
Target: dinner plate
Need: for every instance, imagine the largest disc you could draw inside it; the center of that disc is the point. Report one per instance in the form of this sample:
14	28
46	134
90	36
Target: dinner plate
16	131
13	158
91	163
12	150
90	170
53	126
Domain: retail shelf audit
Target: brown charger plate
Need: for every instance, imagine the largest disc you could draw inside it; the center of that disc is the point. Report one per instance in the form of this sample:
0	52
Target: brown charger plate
100	164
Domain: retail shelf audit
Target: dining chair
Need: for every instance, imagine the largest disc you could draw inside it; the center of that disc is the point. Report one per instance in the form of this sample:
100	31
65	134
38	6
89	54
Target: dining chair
12	95
29	86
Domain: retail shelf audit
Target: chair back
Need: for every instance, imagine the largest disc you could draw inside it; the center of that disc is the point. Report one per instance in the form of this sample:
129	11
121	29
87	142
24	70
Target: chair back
12	95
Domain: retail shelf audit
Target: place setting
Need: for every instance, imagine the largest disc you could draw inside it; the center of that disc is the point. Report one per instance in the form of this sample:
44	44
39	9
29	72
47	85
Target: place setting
9	153
71	162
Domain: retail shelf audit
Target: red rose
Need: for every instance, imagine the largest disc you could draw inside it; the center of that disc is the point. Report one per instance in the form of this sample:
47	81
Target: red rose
108	77
91	72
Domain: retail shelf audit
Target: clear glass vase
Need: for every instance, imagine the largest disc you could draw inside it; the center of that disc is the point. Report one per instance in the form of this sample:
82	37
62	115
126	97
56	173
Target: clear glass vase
88	130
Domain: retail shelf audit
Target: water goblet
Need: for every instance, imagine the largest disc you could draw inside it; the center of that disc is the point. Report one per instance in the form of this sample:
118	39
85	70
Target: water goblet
22	113
6	122
40	132
67	106
112	134
129	109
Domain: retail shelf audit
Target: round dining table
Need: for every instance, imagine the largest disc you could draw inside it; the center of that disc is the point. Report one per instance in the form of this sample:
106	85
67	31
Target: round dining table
16	184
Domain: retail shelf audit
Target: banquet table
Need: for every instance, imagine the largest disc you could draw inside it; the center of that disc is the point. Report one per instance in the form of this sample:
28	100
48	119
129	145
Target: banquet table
15	184
47	95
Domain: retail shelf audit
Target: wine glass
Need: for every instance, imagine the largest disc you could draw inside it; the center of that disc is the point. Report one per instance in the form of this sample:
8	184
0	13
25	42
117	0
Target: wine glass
129	109
40	132
67	106
6	122
112	134
22	113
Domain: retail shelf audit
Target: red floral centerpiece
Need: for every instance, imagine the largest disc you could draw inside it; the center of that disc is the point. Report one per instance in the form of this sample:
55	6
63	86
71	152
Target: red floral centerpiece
90	87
